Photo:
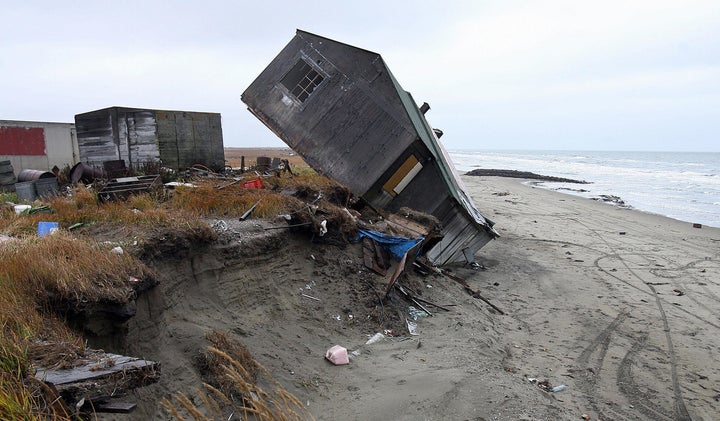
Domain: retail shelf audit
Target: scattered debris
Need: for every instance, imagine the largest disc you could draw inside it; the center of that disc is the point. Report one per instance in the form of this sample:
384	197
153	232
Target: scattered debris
175	184
247	213
412	327
417	313
337	355
375	338
252	184
468	289
122	188
612	199
99	376
19	209
45	228
76	226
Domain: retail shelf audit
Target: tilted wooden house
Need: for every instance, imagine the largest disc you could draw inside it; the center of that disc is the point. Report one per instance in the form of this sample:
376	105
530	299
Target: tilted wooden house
341	109
179	139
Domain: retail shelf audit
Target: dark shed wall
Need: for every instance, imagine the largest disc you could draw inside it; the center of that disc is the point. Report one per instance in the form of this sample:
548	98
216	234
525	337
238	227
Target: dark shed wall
117	133
186	138
179	139
96	142
348	119
136	134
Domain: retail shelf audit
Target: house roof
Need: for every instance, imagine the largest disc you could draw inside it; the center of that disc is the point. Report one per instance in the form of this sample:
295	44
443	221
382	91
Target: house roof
442	161
134	109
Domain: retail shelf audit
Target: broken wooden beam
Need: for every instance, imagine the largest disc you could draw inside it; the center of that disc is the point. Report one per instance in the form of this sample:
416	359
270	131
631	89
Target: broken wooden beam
114	407
465	285
99	375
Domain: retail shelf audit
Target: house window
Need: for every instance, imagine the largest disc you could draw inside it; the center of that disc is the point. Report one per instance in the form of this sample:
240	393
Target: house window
301	80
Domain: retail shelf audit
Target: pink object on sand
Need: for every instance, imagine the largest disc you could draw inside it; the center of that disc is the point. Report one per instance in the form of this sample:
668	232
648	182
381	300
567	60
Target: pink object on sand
337	355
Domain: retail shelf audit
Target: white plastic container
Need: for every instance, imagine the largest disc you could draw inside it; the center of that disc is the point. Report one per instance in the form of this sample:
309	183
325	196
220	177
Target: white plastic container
20	208
337	355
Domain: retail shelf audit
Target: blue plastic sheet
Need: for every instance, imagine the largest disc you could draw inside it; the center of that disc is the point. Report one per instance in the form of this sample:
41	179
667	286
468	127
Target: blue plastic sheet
398	246
45	228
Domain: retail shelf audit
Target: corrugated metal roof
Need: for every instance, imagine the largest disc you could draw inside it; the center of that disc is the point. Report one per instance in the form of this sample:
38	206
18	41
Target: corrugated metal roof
442	161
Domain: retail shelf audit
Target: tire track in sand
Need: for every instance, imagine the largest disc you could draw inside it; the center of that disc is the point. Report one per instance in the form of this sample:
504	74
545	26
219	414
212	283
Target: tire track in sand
642	401
591	372
681	412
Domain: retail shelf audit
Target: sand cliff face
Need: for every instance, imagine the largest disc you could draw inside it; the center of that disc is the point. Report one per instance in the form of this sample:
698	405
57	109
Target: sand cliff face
617	305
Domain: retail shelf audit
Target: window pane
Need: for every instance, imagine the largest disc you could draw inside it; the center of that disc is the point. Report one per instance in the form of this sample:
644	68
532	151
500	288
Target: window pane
301	80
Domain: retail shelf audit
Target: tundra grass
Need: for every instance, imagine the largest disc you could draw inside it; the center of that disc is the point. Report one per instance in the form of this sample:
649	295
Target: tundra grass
38	273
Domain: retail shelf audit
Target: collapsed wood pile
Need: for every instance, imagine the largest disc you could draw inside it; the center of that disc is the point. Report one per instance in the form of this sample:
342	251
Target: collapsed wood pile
93	382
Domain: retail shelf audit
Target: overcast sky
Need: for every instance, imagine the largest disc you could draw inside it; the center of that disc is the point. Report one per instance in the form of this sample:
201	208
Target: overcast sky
579	75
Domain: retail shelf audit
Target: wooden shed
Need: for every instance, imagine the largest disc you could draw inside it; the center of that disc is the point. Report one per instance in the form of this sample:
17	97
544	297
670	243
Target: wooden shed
344	112
178	139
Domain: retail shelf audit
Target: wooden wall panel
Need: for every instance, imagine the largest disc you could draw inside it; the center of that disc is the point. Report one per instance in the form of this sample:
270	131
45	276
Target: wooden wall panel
95	138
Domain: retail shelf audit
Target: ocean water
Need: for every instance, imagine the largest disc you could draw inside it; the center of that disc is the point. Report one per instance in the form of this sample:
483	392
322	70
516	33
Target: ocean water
681	185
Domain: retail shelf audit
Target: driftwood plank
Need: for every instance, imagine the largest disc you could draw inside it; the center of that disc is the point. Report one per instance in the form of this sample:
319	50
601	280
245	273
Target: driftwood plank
109	364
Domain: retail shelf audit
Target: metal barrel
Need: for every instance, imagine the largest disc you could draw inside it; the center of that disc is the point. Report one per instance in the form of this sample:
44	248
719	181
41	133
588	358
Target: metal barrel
7	174
31	175
85	173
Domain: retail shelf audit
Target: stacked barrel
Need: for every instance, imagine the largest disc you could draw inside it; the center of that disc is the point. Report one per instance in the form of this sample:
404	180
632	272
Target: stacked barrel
7	176
35	183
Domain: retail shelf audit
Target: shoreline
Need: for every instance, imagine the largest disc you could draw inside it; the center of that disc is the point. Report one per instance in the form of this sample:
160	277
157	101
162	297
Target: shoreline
680	185
542	181
611	200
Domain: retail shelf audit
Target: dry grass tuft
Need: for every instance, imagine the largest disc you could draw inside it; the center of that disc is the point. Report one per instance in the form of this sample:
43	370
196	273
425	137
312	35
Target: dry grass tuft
39	275
207	200
239	393
210	365
62	268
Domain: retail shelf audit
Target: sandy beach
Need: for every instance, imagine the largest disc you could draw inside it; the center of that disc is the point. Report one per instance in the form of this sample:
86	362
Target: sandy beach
619	306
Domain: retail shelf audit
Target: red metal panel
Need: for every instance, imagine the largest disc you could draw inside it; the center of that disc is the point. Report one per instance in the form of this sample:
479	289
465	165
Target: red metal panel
22	141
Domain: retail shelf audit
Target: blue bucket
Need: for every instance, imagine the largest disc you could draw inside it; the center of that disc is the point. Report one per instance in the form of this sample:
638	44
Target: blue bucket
45	228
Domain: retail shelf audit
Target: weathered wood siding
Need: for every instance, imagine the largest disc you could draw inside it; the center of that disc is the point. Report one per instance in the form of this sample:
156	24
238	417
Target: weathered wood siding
137	137
95	136
187	138
350	127
459	233
177	138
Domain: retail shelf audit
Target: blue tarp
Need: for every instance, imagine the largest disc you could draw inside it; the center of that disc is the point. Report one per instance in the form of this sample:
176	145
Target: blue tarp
398	246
